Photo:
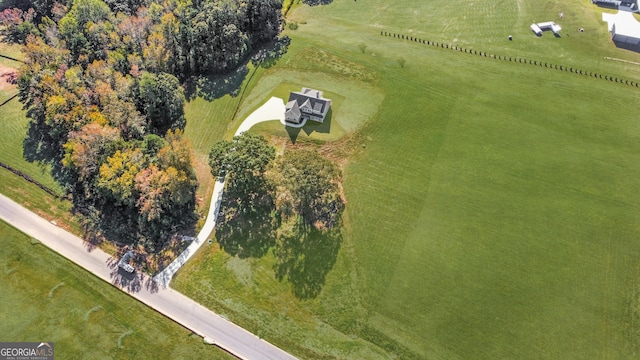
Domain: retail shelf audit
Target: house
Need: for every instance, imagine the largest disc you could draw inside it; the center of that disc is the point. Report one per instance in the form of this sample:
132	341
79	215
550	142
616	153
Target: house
307	104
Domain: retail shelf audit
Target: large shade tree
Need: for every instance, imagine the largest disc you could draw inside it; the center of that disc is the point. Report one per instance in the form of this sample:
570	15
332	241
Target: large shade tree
308	187
244	160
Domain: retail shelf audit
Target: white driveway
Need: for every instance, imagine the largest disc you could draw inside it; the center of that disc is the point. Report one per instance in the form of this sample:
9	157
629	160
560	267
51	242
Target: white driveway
273	109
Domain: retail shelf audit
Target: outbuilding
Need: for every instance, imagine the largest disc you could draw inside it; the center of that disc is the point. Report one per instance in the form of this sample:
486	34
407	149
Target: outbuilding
544	26
624	28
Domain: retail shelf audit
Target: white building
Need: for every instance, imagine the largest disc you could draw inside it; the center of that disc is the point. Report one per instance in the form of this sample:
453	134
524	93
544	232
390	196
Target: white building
624	28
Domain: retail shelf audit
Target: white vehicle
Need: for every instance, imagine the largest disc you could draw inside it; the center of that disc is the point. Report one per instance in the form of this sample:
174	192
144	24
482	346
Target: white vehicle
126	267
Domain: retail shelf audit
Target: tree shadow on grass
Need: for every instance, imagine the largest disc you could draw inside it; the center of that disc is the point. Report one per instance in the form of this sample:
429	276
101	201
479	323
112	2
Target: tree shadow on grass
215	86
305	258
38	146
269	54
324	127
211	87
317	2
246	229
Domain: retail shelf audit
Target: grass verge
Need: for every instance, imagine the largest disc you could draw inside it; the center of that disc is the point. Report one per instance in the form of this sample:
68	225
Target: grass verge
47	298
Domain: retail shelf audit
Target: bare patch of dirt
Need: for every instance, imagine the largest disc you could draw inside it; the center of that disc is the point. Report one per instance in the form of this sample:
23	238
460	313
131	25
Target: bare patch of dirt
8	78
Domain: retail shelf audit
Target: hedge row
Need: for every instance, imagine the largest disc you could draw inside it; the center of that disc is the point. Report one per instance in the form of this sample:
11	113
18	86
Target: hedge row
512	59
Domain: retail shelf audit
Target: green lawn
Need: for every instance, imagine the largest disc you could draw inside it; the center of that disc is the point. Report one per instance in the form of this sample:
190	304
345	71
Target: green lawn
491	212
46	298
13	128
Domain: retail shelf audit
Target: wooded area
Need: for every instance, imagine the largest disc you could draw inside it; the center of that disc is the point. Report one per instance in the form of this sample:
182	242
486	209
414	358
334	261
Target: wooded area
102	88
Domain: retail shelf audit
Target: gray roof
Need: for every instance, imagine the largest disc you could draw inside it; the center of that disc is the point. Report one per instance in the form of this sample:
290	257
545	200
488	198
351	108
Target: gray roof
316	103
292	111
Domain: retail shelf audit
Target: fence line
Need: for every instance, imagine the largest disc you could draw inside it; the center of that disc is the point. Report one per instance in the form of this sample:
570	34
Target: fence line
514	59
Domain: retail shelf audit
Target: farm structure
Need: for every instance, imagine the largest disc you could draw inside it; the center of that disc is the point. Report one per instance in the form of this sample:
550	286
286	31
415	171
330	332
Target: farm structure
624	28
629	5
548	25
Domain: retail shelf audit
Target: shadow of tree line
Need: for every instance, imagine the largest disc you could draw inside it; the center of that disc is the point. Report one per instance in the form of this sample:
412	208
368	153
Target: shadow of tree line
304	254
215	86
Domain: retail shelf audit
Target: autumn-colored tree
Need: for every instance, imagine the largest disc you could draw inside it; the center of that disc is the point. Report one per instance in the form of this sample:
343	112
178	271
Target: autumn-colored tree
16	25
86	148
117	176
101	86
311	185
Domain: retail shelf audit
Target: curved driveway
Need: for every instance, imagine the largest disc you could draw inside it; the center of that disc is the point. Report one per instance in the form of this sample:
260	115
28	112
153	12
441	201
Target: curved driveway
183	310
273	109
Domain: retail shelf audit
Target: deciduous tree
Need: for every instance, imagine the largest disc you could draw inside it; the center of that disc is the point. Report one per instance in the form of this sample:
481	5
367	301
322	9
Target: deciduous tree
311	185
162	100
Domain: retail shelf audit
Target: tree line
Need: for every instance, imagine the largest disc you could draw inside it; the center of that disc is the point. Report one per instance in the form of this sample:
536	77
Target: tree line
101	85
181	37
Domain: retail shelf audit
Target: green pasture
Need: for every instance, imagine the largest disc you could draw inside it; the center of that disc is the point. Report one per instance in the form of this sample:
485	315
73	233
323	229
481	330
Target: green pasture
13	128
491	212
46	298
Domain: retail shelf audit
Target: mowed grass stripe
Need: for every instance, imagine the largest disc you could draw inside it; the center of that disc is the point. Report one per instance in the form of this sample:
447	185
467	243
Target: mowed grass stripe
491	213
532	132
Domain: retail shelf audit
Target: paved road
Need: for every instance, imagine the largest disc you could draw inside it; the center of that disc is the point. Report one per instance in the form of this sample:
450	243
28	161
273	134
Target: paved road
168	302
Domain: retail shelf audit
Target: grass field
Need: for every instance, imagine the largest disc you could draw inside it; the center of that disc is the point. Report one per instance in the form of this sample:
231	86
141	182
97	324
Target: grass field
46	298
491	209
13	127
492	213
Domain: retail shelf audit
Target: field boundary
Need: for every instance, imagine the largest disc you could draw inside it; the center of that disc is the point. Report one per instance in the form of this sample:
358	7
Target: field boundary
12	58
513	59
33	181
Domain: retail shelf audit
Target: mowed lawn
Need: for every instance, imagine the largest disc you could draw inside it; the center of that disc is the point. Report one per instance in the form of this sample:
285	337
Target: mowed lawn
501	222
47	298
491	209
14	126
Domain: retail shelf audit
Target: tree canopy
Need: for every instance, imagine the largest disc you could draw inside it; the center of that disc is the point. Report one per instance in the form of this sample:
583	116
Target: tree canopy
291	203
308	185
101	86
180	37
244	161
